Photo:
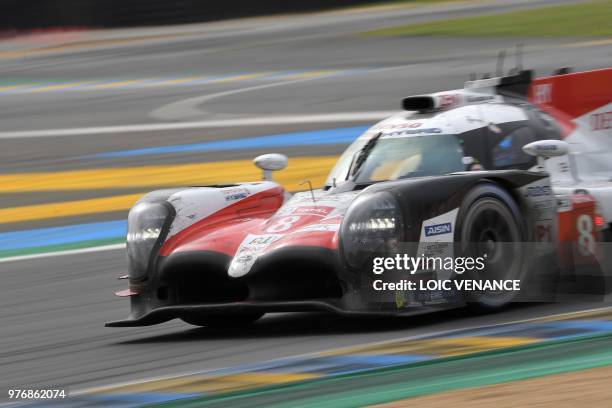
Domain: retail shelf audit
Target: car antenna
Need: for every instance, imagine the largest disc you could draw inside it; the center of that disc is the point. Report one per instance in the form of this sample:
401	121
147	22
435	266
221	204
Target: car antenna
519	57
310	187
500	63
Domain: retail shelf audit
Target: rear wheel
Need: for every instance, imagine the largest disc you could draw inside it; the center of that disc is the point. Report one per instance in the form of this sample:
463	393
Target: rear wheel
222	321
490	227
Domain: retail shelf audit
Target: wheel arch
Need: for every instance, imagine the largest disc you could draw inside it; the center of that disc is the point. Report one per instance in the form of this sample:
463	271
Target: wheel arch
511	187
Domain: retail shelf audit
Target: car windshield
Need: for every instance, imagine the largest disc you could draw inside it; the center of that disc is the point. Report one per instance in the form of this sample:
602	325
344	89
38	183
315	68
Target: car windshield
392	158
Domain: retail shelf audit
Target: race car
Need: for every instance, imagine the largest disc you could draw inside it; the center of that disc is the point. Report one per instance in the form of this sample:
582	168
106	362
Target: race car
511	170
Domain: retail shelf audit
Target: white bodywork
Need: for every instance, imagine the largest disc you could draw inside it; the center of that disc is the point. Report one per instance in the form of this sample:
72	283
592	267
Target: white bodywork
588	166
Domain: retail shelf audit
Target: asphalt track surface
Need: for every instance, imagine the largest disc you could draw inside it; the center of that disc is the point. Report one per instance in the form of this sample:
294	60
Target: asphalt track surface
52	310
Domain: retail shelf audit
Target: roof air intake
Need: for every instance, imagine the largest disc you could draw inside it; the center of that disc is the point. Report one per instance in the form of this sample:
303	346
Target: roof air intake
419	103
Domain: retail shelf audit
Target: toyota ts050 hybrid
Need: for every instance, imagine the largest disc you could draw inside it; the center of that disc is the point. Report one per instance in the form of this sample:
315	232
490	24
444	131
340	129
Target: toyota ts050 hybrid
514	169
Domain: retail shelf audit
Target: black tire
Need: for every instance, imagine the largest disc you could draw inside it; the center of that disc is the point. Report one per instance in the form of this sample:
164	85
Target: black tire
489	225
222	321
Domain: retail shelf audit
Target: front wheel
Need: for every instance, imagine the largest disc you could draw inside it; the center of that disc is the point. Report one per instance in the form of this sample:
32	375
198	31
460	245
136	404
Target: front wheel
490	227
222	321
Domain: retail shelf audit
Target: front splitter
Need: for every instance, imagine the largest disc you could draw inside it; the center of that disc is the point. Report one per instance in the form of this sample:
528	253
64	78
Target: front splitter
166	313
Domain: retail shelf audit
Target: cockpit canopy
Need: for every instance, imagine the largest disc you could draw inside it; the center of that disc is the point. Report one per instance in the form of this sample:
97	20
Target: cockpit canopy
390	157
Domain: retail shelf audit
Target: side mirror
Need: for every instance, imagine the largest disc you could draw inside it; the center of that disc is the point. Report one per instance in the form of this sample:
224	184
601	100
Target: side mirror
270	162
547	148
543	149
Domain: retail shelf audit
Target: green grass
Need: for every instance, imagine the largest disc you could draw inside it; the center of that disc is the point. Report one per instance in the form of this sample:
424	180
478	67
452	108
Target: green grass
593	19
395	3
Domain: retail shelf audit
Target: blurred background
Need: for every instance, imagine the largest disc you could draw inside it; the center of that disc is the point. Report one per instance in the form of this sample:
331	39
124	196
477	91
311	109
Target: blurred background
101	101
122	13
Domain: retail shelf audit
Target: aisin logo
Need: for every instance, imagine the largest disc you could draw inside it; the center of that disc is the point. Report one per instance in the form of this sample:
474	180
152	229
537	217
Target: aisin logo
438	229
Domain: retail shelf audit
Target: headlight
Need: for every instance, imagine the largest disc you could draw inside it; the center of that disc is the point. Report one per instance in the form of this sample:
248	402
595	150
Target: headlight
147	223
373	226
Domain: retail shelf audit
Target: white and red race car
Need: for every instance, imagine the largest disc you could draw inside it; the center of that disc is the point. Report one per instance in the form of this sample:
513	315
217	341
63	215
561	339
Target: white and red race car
512	169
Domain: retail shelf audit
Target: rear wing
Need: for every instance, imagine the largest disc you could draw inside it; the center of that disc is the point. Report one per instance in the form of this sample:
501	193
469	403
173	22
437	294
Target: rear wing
579	99
582	104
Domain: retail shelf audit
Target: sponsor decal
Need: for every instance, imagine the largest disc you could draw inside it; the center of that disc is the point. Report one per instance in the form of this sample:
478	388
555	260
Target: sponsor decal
320	228
234	194
336	203
601	121
436	234
403	125
438	229
543	231
434	248
482	98
564	204
448	100
397	133
258	240
312	210
243	259
546	147
538	191
252	246
542	93
543	205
